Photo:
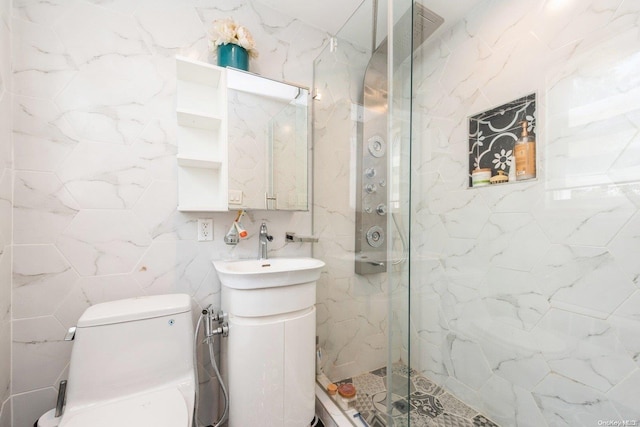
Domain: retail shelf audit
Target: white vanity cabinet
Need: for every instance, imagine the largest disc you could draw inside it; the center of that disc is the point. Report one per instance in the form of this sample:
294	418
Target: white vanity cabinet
201	111
270	355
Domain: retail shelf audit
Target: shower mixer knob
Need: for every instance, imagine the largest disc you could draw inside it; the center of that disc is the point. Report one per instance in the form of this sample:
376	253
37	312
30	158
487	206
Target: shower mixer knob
370	188
381	209
370	172
376	145
375	236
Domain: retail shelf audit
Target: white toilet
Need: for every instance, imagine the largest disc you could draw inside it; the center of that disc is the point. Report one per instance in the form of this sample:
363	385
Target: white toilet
131	365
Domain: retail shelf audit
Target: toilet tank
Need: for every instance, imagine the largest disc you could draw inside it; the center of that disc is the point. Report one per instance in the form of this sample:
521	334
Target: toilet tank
131	346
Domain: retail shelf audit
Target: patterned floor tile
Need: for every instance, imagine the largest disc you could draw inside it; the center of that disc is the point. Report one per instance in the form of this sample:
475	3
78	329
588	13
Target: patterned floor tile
379	401
456	407
411	420
382	372
426	386
377	420
364	403
416	401
404	370
426	404
448	420
401	406
401	386
401	421
419	420
482	421
369	383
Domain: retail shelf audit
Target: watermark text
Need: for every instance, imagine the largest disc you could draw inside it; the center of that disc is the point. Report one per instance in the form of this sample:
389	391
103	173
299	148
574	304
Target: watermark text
618	423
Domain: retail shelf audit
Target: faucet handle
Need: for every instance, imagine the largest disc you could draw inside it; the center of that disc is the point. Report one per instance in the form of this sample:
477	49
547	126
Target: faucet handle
264	232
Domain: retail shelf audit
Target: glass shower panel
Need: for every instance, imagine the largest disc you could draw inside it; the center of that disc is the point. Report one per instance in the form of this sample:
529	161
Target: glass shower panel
352	308
524	295
361	314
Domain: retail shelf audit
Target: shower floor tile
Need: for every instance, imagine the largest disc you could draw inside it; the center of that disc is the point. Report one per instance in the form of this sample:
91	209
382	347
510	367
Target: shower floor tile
428	404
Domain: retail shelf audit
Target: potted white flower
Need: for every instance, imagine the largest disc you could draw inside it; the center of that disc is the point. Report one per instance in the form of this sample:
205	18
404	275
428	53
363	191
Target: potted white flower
233	44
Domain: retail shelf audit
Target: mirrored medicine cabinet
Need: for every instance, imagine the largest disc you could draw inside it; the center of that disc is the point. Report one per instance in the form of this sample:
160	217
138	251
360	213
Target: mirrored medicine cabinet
268	142
243	140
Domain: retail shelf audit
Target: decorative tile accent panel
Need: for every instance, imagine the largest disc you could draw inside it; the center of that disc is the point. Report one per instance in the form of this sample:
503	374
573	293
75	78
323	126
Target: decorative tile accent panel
493	133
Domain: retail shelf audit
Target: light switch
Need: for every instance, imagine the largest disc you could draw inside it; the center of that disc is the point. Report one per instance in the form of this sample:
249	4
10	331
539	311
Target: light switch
235	197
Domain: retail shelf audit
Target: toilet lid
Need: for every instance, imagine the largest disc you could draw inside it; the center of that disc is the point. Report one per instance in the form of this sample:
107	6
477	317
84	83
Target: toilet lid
165	408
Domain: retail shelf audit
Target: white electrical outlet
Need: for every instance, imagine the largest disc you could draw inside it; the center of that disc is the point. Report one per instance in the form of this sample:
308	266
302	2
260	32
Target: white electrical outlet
205	229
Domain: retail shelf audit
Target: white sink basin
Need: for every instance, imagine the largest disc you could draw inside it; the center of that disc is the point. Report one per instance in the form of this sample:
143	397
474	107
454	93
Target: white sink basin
268	273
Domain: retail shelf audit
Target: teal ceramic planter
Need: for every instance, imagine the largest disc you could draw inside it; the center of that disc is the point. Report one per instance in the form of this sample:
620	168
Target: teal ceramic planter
232	55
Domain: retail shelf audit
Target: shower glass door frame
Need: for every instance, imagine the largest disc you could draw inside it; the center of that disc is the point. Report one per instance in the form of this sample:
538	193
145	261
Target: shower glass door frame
400	41
363	319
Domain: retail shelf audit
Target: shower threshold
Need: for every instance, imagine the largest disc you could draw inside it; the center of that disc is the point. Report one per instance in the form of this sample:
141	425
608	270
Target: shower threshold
415	401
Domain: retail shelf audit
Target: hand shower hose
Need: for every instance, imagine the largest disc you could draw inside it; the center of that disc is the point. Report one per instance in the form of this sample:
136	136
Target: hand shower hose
205	315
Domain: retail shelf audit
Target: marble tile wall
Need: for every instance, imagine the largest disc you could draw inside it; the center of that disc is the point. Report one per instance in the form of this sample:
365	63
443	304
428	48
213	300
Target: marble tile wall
525	297
95	173
6	203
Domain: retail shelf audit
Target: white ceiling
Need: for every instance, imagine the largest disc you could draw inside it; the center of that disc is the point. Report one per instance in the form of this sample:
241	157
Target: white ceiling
327	15
331	15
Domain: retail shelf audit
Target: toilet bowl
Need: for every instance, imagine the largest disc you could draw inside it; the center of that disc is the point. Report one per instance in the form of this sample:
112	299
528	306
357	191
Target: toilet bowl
131	365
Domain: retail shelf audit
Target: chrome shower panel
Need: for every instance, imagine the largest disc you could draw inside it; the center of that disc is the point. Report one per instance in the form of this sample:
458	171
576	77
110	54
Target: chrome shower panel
372	198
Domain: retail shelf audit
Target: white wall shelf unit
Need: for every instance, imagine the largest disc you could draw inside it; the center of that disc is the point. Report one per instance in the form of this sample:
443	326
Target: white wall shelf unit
201	112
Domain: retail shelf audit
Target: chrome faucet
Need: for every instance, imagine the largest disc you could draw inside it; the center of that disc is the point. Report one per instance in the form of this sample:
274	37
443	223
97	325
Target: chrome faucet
263	239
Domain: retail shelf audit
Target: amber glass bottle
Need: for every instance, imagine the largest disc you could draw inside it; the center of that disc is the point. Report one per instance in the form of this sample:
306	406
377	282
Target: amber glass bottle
525	154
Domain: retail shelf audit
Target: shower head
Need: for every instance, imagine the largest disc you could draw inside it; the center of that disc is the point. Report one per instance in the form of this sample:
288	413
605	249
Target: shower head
410	32
425	23
412	29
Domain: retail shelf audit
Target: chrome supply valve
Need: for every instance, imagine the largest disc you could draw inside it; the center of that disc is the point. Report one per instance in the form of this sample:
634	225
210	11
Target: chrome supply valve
218	316
221	330
211	316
